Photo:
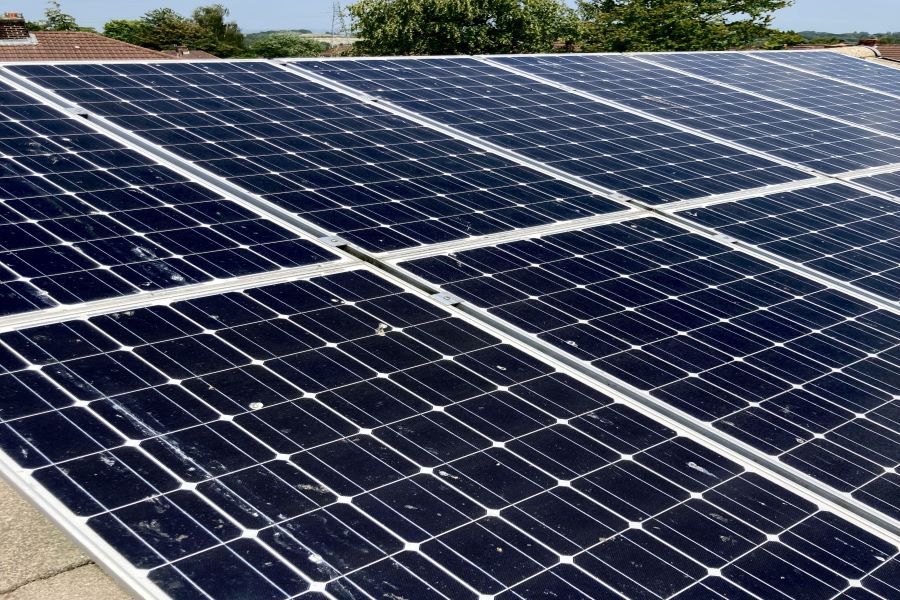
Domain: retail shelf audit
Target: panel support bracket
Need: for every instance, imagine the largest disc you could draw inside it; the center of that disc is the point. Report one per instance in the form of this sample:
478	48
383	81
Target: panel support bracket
447	299
334	241
78	111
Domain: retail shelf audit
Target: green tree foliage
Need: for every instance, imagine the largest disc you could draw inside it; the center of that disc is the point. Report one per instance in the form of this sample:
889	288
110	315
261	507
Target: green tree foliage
125	30
776	40
660	25
56	20
166	29
222	38
252	38
286	44
414	27
828	40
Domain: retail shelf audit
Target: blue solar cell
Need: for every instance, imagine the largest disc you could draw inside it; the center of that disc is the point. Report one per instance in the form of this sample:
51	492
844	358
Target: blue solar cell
801	372
804	90
380	181
837	230
644	159
478	469
791	134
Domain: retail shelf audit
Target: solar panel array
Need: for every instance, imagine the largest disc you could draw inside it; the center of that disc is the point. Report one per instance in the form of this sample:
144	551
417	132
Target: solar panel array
280	420
837	230
844	68
806	90
85	218
376	179
341	434
793	134
641	158
782	363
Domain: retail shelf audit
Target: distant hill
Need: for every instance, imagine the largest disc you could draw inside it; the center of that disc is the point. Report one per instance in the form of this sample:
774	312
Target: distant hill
849	38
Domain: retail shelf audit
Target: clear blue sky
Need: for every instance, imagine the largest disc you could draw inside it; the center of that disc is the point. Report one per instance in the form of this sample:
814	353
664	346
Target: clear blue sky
822	15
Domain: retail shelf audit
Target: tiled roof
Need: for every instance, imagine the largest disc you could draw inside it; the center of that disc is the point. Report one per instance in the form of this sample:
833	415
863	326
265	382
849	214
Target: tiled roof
76	45
890	51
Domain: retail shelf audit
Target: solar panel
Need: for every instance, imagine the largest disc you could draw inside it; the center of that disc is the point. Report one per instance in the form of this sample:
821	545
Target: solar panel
794	369
888	183
805	90
84	218
378	180
644	159
789	133
847	234
840	66
340	435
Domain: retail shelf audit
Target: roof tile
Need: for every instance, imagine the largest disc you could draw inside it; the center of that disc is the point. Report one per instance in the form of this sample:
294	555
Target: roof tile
76	45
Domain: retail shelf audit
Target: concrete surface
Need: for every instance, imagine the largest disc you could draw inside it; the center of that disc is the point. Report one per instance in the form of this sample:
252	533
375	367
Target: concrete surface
80	583
857	51
38	561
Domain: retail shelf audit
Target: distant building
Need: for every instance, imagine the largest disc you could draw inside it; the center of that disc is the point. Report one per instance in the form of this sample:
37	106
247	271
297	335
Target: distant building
19	44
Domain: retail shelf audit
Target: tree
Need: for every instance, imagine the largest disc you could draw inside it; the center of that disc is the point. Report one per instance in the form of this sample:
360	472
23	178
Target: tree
56	20
125	30
405	27
829	40
164	29
223	38
654	25
285	44
777	40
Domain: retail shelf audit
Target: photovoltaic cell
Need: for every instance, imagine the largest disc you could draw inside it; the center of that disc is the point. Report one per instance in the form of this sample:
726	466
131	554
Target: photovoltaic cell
378	180
788	133
644	159
84	218
843	67
799	371
804	90
341	435
837	230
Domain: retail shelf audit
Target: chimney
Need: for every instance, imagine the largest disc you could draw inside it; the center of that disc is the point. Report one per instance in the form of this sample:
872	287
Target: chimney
12	27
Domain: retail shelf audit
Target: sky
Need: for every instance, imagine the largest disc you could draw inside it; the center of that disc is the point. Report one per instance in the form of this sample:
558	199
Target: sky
837	16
